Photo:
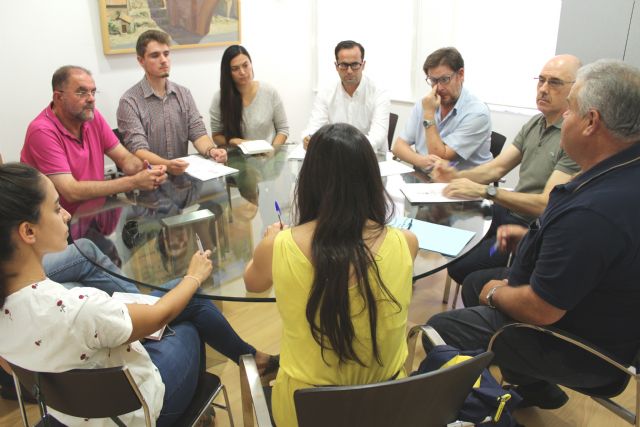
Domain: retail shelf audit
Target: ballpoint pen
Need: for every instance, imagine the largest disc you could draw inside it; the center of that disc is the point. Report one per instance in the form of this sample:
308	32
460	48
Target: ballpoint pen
279	212
493	249
454	164
199	243
410	224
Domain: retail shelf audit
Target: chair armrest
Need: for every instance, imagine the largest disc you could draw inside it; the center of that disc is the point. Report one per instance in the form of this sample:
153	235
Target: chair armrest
252	395
412	338
629	370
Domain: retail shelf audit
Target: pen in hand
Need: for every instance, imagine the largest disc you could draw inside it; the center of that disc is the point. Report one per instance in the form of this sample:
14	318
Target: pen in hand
454	164
493	249
199	243
279	212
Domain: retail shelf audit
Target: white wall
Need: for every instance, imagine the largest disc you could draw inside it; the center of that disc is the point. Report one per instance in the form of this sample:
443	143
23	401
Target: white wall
39	36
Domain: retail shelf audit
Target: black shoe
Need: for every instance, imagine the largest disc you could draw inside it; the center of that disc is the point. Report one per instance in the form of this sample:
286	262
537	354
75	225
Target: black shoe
542	394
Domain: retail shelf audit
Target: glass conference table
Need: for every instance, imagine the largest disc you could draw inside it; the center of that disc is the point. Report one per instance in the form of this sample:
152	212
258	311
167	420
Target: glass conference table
151	235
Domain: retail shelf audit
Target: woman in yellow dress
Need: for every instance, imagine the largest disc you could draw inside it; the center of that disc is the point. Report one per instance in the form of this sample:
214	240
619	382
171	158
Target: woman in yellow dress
342	277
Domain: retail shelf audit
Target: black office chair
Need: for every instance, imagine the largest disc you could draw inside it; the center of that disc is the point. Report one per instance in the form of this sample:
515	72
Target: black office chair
430	399
108	393
497	142
602	395
393	121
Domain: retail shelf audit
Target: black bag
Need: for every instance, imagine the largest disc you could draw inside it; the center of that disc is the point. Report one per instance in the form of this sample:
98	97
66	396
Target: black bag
487	398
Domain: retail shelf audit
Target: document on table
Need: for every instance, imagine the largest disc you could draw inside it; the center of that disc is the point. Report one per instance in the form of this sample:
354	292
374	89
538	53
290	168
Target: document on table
257	146
428	193
392	167
297	153
205	169
128	298
434	237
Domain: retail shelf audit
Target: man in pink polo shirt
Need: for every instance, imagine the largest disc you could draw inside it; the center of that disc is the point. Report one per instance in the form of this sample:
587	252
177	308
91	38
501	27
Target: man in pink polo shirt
68	141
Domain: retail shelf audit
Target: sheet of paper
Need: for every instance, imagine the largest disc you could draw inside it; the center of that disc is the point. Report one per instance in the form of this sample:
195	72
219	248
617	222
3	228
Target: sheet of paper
392	167
205	169
128	298
428	193
297	153
256	146
434	237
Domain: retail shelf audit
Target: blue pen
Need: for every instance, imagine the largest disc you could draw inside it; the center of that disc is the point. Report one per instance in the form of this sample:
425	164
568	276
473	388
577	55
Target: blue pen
149	166
279	212
493	249
454	164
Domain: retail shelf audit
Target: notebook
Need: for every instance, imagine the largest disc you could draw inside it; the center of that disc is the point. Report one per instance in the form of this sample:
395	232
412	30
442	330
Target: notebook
434	237
257	146
140	299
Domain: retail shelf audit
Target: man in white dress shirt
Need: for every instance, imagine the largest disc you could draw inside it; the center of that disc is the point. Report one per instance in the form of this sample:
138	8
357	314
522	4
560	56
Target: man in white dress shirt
355	100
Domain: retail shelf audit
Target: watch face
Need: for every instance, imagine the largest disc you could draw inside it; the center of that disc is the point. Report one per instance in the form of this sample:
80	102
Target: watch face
491	191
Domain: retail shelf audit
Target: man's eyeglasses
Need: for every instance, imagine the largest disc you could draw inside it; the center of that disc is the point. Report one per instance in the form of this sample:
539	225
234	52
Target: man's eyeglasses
440	80
552	82
355	66
83	93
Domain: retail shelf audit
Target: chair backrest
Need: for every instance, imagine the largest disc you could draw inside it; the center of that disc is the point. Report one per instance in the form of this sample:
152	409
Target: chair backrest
86	393
393	121
431	399
118	134
497	142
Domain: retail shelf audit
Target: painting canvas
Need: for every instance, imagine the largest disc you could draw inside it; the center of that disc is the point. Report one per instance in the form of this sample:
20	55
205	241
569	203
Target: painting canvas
190	23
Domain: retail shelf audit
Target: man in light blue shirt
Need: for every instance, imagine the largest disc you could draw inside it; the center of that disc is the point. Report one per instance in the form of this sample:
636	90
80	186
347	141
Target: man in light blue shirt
449	122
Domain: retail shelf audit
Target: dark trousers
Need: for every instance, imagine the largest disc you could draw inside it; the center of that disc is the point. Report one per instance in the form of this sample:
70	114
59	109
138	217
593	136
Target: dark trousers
524	356
478	258
474	282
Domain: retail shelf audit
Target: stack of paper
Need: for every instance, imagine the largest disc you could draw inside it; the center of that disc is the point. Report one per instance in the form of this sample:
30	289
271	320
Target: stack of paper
297	153
257	146
392	167
428	193
140	299
434	237
204	169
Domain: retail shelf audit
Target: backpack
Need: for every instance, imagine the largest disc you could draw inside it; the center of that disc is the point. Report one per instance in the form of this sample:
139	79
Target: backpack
487	398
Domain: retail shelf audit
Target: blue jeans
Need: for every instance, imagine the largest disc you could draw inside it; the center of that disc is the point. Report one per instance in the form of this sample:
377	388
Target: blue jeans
180	357
71	268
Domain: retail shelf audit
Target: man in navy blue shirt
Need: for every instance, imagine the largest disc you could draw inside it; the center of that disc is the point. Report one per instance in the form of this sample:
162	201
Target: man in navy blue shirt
578	268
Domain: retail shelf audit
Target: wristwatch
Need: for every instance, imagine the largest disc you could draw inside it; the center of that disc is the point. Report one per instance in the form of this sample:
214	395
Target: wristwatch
428	123
490	191
490	296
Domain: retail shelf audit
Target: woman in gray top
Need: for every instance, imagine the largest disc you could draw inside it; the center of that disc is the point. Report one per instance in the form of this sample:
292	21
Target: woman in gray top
245	109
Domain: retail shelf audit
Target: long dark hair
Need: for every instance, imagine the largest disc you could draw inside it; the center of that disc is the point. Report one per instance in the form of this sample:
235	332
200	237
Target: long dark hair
340	187
230	98
21	194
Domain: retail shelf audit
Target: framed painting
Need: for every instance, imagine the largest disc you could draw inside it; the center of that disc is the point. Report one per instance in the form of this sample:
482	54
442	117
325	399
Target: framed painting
190	23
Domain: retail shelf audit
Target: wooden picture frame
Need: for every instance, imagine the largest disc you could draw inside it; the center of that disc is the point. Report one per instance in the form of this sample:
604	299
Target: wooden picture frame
190	23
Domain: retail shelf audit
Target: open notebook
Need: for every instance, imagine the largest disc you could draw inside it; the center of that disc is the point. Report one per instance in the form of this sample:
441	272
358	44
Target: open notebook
140	299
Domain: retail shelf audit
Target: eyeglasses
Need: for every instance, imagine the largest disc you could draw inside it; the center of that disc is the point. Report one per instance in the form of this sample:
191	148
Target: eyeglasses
552	82
355	66
432	81
83	93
